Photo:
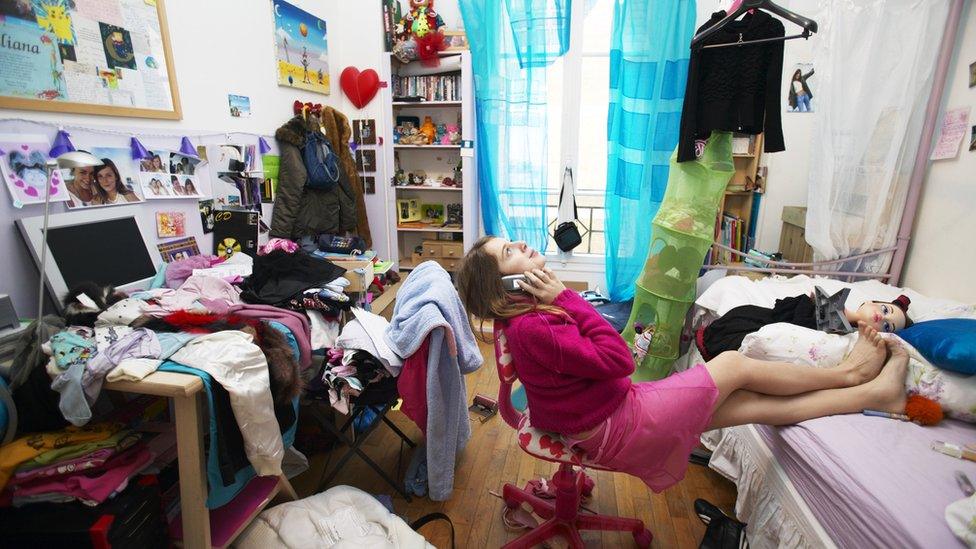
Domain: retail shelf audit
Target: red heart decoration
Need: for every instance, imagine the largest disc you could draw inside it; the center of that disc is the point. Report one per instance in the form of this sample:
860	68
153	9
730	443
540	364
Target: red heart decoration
360	87
525	439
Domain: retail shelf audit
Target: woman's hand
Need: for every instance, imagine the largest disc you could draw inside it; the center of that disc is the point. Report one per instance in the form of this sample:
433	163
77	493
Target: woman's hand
542	284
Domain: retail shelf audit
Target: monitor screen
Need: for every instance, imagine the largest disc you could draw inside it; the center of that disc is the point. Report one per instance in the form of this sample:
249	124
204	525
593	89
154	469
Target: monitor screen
106	252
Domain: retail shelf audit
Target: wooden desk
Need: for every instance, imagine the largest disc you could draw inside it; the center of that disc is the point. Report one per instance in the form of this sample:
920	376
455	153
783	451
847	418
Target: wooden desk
185	390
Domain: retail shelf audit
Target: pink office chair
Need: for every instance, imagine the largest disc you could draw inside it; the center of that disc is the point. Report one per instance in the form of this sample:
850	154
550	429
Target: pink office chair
562	516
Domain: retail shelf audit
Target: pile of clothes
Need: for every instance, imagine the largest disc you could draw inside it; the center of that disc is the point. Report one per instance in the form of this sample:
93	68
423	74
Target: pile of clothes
360	359
249	356
87	464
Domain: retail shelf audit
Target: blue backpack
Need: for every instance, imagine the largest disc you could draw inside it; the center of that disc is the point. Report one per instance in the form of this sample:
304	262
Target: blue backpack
321	163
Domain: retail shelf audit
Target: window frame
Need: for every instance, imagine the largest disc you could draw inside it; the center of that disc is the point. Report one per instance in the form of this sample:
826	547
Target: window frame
572	67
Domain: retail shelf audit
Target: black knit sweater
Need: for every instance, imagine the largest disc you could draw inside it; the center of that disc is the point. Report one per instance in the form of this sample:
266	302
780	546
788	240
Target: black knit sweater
735	88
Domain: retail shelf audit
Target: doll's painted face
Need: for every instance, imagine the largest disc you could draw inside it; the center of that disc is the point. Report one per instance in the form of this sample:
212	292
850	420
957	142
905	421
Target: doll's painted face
882	316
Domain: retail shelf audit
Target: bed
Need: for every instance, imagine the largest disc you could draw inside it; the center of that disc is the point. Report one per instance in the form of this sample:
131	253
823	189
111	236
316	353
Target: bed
841	481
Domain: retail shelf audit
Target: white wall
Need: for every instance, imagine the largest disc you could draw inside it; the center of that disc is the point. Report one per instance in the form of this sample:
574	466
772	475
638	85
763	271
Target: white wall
940	260
220	47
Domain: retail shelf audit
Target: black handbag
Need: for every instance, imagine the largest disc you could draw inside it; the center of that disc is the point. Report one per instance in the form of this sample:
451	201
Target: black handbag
567	235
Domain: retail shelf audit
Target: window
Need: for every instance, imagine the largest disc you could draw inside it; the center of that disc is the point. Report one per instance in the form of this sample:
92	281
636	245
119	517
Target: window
579	96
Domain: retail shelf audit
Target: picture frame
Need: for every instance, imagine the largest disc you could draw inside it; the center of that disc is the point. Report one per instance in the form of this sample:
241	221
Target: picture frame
455	40
124	59
433	214
365	160
408	210
369	184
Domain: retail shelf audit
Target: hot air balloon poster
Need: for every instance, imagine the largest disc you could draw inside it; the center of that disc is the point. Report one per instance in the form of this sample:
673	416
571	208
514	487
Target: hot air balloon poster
301	49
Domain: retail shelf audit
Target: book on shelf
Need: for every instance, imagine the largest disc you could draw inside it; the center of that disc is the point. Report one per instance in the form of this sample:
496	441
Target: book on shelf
438	87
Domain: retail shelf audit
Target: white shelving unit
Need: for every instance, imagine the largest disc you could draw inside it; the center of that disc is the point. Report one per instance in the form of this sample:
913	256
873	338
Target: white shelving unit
436	161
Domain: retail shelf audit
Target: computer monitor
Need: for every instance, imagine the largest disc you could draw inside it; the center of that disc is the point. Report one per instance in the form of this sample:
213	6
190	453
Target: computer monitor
105	246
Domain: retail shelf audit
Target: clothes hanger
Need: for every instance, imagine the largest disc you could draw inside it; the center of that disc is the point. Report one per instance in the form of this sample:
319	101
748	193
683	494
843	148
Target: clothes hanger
809	25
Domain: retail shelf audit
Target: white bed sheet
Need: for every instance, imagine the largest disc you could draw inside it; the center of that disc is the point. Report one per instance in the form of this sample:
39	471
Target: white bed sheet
767	500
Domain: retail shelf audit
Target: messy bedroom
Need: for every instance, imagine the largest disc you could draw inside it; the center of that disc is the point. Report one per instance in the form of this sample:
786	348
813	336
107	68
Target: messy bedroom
488	273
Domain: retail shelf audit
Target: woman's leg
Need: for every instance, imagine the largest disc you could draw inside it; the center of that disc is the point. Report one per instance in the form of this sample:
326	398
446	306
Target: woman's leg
732	371
886	392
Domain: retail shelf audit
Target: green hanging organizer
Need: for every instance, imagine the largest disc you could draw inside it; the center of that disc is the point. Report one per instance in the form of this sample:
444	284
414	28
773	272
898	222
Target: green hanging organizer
682	233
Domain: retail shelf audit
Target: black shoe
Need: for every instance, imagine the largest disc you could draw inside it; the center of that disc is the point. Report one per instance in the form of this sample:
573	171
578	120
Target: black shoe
724	533
700	456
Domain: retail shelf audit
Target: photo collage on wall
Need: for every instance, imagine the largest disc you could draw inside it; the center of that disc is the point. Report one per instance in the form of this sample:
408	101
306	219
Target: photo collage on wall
168	175
364	134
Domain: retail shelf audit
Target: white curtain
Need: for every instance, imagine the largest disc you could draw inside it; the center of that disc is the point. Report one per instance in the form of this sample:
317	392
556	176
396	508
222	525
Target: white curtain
874	61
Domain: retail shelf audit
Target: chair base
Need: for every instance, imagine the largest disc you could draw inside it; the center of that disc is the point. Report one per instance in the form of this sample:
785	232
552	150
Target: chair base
562	514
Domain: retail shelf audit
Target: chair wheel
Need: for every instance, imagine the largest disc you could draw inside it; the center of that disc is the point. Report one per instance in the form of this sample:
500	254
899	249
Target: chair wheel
643	538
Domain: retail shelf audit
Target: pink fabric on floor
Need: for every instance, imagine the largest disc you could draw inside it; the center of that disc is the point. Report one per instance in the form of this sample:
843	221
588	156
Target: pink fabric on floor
412	386
655	429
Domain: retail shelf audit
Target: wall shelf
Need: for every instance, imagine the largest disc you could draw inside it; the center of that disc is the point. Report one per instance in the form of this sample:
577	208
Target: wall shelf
438	161
401	146
428	230
422	188
426	103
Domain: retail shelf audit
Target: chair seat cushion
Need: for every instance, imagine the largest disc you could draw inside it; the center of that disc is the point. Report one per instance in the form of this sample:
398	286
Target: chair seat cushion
550	446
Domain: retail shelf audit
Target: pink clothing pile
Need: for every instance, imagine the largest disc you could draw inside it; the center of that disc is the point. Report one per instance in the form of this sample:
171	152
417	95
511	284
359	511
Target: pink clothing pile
91	486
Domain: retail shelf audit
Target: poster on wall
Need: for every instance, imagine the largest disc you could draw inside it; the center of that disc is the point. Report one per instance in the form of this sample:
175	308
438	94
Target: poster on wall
240	105
113	183
22	160
170	224
301	49
87	56
799	95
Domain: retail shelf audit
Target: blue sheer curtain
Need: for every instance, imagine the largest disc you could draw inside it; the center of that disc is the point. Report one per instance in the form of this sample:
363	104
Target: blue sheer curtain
512	43
649	53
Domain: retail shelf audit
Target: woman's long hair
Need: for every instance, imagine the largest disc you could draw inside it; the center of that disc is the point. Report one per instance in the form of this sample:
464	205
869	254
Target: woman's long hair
479	282
798	75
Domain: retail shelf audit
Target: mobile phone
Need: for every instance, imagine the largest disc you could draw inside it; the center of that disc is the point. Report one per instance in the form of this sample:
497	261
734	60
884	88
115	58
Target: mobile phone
510	284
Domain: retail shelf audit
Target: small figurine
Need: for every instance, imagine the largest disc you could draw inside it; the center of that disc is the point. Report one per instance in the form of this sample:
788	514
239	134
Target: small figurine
411	179
458	176
453	134
421	25
428	130
397	132
430	182
447	182
441	136
400	179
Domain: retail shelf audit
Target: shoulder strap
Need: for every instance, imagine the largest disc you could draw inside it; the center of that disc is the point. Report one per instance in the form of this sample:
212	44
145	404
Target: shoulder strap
431	517
569	187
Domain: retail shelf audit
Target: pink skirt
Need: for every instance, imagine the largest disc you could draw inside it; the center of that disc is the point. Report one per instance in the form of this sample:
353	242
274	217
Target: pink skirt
652	433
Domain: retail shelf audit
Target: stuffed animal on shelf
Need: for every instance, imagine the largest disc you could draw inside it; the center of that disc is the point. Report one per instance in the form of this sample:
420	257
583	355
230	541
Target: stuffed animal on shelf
453	134
441	136
421	24
429	130
397	133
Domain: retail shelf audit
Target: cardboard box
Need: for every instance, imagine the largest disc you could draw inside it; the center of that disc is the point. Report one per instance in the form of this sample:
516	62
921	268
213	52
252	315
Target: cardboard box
358	271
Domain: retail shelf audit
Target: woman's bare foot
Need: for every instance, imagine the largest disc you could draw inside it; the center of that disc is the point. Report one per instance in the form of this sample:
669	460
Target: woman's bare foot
865	360
887	391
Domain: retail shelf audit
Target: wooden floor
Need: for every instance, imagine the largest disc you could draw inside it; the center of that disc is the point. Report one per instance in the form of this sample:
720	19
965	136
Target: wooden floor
493	458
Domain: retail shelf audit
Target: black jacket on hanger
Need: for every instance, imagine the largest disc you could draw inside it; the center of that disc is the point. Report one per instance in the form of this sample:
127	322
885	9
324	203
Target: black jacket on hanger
735	88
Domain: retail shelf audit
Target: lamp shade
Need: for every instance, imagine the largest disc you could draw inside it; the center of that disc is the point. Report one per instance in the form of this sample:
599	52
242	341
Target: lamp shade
187	148
77	159
62	144
263	146
139	152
